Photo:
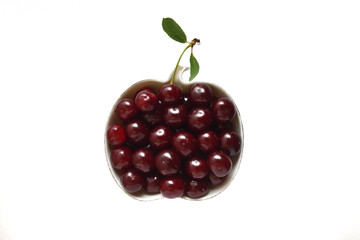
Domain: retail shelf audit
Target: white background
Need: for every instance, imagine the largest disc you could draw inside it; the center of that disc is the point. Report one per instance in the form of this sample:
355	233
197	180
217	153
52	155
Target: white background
291	66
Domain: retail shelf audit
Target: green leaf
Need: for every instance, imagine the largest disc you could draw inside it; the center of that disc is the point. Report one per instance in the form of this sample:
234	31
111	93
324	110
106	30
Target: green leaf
194	67
173	30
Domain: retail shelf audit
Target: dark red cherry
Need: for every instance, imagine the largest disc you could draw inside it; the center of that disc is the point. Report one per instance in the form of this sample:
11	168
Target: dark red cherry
208	141
200	94
143	160
116	135
152	182
169	94
160	137
214	180
172	186
132	181
167	162
146	102
184	143
137	132
199	119
121	158
126	109
175	116
219	163
145	89
196	188
223	110
155	117
230	142
196	167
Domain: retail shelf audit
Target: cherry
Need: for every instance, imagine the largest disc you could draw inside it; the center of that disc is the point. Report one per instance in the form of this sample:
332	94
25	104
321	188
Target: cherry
137	132
230	142
184	143
160	137
196	167
143	160
152	182
170	94
199	119
200	94
208	141
116	135
167	162
219	163
145	89
214	180
121	158
146	102
155	117
126	109
186	102
132	181
196	188
175	116
172	186
223	110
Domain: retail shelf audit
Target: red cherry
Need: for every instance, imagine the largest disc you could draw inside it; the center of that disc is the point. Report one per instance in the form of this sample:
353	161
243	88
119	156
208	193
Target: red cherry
208	141
223	110
200	94
199	119
196	188
175	116
116	135
170	94
132	181
137	132
167	162
155	117
143	160
230	142
146	102
184	143
196	167
152	182
172	186
126	109
121	158
219	163
160	137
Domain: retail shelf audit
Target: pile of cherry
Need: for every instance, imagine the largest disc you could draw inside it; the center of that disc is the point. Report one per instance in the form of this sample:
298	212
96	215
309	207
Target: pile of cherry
173	143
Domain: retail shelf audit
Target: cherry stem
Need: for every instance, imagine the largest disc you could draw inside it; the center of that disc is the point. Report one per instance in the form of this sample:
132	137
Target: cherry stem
191	44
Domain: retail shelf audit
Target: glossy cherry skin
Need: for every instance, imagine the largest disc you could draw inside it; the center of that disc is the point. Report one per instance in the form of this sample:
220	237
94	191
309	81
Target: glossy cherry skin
214	180
196	188
143	160
208	141
160	137
132	181
200	94
199	119
219	163
146	102
230	142
155	117
172	186
186	102
145	89
167	162
152	182
137	132
121	158
169	94
175	116
116	135
223	110
184	143
126	109
196	167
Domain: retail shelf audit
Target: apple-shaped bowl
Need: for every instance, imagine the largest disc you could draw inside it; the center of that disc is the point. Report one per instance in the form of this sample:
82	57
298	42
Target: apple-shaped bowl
185	87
